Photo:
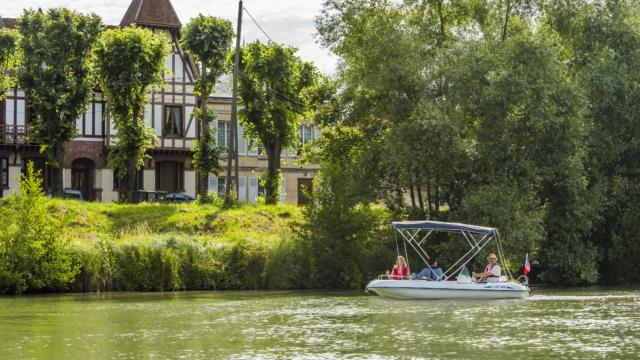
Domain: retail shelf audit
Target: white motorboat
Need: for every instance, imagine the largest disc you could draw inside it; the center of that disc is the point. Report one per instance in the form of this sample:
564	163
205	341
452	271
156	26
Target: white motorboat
422	289
415	233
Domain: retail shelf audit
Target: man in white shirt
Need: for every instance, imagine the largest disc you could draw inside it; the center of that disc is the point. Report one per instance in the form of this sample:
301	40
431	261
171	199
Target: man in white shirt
491	272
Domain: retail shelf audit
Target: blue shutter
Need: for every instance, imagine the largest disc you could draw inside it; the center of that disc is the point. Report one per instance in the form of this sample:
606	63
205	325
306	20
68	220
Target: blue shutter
253	189
242	188
213	183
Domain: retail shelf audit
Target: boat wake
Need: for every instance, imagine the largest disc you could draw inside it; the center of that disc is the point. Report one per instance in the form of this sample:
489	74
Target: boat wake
594	297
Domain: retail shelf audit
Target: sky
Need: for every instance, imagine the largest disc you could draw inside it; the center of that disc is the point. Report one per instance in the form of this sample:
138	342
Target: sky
290	22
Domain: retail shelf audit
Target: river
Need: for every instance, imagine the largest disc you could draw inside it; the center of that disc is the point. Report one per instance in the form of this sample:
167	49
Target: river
575	323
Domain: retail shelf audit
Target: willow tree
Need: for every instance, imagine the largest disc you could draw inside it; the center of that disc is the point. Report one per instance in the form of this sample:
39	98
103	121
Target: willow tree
275	88
209	40
129	64
8	52
55	75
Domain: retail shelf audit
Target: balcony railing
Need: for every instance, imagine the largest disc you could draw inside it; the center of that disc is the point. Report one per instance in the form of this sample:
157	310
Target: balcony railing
14	134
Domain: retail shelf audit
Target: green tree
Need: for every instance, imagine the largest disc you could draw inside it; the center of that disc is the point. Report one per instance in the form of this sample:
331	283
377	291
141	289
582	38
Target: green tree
33	245
602	38
129	64
55	75
8	60
471	103
209	40
275	88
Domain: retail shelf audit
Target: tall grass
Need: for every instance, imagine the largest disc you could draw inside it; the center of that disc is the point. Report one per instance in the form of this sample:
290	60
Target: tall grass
166	247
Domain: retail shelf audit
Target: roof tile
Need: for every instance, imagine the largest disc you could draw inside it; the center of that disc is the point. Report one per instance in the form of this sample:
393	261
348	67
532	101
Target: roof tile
151	12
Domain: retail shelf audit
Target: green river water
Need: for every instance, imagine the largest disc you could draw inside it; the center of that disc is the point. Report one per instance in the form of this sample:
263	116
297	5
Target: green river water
553	324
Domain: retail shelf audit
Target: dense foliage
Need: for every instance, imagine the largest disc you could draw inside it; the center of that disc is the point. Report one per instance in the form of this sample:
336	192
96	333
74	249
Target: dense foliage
34	244
55	74
276	89
8	60
129	64
67	245
208	39
520	115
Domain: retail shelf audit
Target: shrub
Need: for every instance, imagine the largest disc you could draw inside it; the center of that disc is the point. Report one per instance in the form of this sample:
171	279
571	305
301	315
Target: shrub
34	251
210	198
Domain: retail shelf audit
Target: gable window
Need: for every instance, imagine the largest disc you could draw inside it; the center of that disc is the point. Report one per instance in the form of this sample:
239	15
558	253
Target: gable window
173	123
4	173
179	68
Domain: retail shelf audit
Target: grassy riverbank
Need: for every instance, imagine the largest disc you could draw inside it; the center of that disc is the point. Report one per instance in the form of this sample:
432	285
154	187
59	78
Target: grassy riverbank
152	247
53	245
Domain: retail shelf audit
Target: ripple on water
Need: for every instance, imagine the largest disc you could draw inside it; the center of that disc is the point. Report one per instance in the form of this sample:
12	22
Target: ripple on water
263	325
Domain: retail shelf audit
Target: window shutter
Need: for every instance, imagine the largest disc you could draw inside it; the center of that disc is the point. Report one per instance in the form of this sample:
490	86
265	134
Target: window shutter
112	126
214	124
242	142
79	124
253	189
213	183
283	194
242	186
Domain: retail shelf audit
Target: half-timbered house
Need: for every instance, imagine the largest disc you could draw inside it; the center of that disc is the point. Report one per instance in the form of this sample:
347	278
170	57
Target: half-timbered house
168	112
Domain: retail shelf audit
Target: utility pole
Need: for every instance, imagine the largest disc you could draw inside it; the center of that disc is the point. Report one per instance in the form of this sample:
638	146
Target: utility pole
233	148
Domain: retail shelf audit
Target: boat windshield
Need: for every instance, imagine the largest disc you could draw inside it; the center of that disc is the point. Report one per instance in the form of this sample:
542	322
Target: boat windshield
464	276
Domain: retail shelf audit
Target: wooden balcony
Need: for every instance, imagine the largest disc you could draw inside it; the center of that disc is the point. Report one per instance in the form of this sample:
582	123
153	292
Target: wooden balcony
15	134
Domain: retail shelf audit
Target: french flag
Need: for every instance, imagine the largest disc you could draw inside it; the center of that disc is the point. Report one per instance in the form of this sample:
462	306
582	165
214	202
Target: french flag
527	266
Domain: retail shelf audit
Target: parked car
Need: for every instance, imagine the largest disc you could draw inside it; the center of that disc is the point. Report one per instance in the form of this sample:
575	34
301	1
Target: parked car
150	196
69	194
179	198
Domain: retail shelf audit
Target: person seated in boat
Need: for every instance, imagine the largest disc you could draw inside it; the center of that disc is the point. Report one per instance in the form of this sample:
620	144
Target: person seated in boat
400	270
433	272
491	272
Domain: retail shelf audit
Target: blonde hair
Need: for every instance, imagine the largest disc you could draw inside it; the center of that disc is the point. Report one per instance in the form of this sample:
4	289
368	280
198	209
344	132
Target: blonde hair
403	260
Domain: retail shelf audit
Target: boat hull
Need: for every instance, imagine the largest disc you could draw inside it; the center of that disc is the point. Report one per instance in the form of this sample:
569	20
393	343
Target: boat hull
422	289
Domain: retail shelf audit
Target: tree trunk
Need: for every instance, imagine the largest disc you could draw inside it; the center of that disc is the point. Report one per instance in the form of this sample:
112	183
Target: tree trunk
505	26
420	201
272	182
58	170
413	197
437	200
129	188
203	176
203	188
429	197
442	34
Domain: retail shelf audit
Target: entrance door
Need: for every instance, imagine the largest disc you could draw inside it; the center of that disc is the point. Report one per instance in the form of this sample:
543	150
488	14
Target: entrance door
305	186
170	176
81	179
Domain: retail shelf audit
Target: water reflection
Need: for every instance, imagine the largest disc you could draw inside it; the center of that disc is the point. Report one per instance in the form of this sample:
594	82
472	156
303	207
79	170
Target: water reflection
592	323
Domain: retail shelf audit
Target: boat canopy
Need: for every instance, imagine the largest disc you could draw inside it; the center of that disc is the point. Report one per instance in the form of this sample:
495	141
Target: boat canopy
444	226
